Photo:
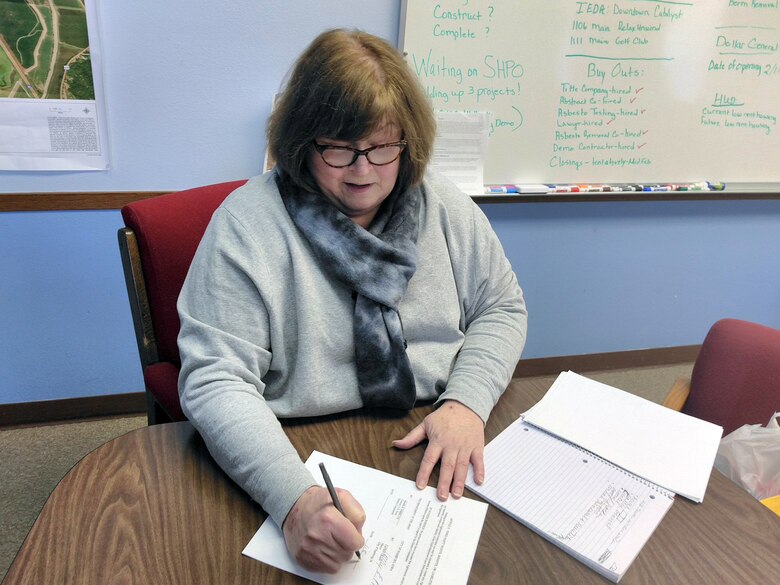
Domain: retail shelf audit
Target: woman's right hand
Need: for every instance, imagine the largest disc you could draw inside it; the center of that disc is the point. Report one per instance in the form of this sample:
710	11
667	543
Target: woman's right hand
318	536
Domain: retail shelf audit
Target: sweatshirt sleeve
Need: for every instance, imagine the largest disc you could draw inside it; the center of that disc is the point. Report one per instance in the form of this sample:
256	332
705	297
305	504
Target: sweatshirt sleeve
493	311
225	345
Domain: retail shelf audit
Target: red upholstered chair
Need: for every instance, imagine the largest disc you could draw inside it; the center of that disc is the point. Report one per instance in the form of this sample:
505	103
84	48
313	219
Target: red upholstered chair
157	246
736	376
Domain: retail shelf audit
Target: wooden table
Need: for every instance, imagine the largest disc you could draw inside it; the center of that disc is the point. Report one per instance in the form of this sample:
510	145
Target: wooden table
152	507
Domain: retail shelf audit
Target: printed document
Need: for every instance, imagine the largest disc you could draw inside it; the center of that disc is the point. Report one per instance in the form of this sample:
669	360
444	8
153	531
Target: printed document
52	108
460	147
411	537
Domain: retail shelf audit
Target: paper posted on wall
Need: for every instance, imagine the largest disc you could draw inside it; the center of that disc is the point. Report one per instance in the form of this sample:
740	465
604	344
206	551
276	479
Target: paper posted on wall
460	148
52	106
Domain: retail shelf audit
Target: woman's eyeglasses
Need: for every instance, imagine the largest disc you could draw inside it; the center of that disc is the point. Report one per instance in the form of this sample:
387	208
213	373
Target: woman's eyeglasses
344	156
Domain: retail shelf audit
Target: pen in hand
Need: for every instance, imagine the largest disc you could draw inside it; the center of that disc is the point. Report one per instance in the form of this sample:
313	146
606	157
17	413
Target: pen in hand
333	495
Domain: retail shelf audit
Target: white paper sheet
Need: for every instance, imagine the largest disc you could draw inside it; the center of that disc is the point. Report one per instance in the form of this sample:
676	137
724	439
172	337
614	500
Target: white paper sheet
669	448
460	147
411	537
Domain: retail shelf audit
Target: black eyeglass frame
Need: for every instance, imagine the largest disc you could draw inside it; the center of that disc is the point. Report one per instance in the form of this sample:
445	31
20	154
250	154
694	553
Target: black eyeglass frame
356	152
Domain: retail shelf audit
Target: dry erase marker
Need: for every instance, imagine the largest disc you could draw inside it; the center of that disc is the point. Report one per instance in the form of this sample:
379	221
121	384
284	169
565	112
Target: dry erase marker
501	189
717	186
533	189
700	186
333	495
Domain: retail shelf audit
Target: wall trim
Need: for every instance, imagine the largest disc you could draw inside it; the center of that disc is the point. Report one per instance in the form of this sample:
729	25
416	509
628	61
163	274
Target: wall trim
134	403
72	201
618	360
69	409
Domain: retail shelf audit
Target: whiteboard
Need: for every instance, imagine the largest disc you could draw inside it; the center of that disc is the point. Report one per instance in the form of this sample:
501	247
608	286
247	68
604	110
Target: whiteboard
624	91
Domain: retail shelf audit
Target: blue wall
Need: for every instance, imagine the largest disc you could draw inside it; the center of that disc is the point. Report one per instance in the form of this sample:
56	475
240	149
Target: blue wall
188	89
602	277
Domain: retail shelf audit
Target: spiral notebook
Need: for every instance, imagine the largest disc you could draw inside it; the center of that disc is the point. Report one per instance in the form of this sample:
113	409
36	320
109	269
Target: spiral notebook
669	448
596	511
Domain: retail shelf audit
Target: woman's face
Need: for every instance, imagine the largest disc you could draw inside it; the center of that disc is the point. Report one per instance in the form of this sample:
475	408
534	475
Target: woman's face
359	189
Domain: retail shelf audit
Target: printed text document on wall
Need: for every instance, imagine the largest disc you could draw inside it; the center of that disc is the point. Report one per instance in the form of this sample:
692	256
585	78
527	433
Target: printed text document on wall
411	537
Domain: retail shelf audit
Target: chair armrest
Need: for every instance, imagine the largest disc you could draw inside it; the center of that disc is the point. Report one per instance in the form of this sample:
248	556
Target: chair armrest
136	293
678	394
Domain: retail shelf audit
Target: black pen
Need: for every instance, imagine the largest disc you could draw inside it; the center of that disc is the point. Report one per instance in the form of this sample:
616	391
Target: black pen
333	495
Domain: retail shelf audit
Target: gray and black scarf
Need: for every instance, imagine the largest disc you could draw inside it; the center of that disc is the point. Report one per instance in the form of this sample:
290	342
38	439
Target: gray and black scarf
376	264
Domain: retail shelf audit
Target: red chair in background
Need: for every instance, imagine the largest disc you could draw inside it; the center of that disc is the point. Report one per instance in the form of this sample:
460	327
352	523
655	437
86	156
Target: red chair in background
157	246
736	377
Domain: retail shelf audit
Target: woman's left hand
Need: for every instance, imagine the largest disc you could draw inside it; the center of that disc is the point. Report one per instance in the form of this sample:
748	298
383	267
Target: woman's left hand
456	438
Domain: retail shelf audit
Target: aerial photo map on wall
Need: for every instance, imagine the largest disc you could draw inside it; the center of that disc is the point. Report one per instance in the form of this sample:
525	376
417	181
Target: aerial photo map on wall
51	107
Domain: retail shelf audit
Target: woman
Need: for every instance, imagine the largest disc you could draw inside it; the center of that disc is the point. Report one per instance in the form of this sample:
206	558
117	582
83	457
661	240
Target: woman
346	277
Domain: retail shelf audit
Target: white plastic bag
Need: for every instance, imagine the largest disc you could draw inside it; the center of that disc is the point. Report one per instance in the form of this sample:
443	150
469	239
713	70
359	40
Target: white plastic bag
750	457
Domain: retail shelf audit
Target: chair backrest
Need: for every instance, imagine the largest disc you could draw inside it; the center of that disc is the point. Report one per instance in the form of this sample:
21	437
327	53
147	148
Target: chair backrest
168	230
736	376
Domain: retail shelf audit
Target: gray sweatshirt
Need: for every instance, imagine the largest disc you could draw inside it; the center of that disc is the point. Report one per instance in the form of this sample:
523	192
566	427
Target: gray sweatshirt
266	331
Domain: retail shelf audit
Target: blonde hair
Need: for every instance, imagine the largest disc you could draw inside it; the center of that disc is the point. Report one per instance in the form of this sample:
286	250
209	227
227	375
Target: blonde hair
344	86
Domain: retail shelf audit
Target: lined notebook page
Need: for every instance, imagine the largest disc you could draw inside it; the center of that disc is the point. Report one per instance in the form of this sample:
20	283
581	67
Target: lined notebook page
598	512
